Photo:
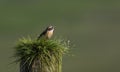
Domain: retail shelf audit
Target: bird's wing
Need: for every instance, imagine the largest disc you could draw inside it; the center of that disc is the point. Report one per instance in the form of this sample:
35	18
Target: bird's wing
43	33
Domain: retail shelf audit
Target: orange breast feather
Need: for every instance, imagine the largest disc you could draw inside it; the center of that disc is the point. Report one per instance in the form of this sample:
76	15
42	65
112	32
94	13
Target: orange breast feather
49	34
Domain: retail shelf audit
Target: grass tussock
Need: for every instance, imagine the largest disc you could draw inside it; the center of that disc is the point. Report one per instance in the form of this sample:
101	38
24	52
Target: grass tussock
40	55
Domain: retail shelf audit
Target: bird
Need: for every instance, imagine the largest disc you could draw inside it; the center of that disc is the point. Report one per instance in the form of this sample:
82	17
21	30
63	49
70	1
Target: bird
47	33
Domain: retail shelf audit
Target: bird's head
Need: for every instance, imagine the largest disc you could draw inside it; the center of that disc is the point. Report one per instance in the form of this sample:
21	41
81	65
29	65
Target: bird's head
49	28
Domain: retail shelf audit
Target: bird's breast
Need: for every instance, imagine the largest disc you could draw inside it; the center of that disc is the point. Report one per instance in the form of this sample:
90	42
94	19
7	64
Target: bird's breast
49	34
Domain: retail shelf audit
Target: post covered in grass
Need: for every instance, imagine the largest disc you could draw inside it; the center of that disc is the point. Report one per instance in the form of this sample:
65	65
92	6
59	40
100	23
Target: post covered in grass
40	55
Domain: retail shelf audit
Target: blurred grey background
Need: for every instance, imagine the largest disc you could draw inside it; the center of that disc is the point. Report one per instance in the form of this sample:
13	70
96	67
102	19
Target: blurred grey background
92	26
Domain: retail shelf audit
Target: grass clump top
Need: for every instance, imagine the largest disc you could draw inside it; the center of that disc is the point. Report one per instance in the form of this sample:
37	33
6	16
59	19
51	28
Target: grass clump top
48	53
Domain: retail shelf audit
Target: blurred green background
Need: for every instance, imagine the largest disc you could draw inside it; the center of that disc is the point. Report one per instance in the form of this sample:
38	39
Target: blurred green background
93	26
